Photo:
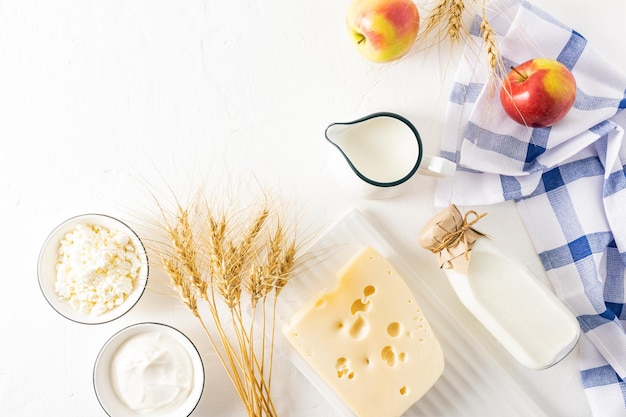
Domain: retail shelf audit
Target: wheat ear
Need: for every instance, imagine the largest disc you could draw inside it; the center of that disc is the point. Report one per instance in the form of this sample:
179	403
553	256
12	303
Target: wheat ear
455	20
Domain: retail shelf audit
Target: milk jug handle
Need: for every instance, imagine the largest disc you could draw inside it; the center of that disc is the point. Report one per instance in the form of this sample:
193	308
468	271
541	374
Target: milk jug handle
436	166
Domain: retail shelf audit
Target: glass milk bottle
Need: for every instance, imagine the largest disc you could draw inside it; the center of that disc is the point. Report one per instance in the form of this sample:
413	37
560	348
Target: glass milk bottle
525	317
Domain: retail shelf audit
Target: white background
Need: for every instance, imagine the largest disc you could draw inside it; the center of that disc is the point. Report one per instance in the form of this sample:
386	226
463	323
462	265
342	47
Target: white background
100	98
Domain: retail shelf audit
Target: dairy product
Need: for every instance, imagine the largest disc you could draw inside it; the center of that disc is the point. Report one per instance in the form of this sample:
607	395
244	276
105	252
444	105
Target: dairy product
383	149
151	372
368	339
97	268
527	319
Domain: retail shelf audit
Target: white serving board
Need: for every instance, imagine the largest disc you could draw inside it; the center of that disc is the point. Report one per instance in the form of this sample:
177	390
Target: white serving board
472	384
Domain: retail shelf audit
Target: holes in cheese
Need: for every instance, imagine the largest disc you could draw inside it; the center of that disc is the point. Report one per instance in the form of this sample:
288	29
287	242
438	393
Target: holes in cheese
390	356
343	368
360	328
394	329
359	305
368	339
363	304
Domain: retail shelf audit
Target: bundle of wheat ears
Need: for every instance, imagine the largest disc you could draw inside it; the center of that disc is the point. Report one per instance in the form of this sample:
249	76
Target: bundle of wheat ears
446	20
230	267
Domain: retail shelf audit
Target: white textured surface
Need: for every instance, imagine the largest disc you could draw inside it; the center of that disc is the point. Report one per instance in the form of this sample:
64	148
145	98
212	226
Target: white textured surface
96	94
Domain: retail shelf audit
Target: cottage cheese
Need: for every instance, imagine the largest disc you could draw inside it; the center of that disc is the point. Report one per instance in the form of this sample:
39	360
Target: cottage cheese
97	268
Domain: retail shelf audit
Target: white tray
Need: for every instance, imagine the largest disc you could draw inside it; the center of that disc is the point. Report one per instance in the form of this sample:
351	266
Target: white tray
472	384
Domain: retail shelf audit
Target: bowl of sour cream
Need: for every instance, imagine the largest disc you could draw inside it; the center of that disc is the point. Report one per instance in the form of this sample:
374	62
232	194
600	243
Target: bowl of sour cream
148	369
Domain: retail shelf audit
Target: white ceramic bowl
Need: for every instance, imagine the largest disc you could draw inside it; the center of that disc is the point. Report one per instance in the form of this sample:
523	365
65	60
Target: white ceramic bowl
103	383
47	273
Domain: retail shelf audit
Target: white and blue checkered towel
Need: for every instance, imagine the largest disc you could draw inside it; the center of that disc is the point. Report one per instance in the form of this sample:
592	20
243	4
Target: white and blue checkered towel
568	181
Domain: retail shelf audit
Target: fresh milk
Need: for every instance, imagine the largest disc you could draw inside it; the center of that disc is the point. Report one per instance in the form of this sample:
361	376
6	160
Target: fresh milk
382	149
526	318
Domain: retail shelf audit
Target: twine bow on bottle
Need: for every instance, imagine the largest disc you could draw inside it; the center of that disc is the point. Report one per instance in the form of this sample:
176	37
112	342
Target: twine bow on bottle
450	236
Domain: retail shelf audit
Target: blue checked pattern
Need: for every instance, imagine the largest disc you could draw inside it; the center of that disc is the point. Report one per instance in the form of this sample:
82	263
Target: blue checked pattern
568	180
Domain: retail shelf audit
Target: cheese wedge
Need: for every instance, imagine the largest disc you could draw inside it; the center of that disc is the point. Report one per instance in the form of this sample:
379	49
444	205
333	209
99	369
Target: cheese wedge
368	339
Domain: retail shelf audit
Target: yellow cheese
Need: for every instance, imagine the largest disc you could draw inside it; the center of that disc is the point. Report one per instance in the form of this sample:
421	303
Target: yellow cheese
368	339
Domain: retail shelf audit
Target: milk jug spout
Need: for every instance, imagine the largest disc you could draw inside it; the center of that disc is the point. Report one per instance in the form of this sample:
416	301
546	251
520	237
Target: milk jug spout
383	150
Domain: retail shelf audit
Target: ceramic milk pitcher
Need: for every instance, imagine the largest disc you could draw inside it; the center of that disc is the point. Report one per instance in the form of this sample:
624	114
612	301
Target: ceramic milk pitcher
379	153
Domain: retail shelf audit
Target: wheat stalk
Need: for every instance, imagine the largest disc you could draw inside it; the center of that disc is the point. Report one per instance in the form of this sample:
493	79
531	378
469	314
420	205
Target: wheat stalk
185	291
434	18
218	263
182	238
490	44
494	59
446	21
187	280
455	20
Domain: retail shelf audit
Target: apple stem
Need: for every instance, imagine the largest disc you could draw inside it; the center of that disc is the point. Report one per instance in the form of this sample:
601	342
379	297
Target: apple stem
524	77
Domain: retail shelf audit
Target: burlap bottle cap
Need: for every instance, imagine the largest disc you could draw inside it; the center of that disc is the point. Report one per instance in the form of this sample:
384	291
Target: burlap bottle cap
450	236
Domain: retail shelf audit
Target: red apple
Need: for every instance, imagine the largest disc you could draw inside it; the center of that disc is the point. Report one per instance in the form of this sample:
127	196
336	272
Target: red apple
538	93
383	30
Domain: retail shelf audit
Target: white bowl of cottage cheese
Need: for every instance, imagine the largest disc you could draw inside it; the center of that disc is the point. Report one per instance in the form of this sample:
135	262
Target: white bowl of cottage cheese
92	268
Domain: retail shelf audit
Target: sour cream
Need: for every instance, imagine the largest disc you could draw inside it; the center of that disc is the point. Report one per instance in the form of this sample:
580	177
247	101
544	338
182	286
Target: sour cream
151	372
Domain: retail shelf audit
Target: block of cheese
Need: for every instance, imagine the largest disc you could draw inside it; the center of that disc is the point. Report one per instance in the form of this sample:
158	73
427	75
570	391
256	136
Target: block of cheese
368	339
